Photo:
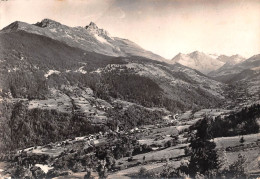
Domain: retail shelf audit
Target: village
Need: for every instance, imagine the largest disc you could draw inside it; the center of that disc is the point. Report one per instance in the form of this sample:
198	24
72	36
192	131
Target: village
123	153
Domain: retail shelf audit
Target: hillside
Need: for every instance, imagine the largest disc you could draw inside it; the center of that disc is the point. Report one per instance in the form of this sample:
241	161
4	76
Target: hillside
41	73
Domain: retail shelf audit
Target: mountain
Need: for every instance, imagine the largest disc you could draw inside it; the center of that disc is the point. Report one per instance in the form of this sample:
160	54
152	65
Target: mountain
245	73
66	79
199	61
89	38
231	60
231	68
206	63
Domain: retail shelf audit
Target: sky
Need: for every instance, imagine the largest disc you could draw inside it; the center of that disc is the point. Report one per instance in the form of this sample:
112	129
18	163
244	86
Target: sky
165	27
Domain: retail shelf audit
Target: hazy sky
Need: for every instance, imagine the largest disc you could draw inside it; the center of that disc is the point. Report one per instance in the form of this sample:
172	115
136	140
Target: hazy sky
165	27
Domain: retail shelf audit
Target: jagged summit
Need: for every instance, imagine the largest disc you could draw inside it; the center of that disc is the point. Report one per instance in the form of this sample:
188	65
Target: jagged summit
180	54
48	23
178	57
192	54
91	25
196	54
93	29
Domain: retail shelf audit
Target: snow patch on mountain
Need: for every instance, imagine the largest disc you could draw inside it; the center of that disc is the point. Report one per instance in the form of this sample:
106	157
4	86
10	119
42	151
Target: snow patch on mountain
215	56
198	61
102	40
234	65
207	63
231	60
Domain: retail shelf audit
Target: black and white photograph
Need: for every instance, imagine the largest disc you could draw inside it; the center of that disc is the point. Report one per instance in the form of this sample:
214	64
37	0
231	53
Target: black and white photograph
129	89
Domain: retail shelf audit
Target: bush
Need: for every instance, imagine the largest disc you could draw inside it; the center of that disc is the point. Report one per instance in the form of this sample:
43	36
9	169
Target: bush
242	140
88	175
37	172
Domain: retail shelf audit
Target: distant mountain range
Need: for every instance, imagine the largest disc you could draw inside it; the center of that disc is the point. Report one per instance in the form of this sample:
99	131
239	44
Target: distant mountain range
230	69
233	70
246	73
206	63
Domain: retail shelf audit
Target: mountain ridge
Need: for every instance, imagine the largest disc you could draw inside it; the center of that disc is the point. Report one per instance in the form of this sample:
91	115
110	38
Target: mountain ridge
206	63
89	38
198	60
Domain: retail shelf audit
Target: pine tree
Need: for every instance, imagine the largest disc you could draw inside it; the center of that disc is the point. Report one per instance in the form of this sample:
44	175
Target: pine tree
204	158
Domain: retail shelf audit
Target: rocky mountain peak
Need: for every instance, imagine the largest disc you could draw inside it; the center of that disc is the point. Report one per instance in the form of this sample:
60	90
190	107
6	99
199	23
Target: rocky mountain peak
93	29
179	54
178	57
196	54
48	23
92	25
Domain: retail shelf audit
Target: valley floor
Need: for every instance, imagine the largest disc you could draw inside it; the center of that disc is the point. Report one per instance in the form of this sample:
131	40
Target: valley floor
161	154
